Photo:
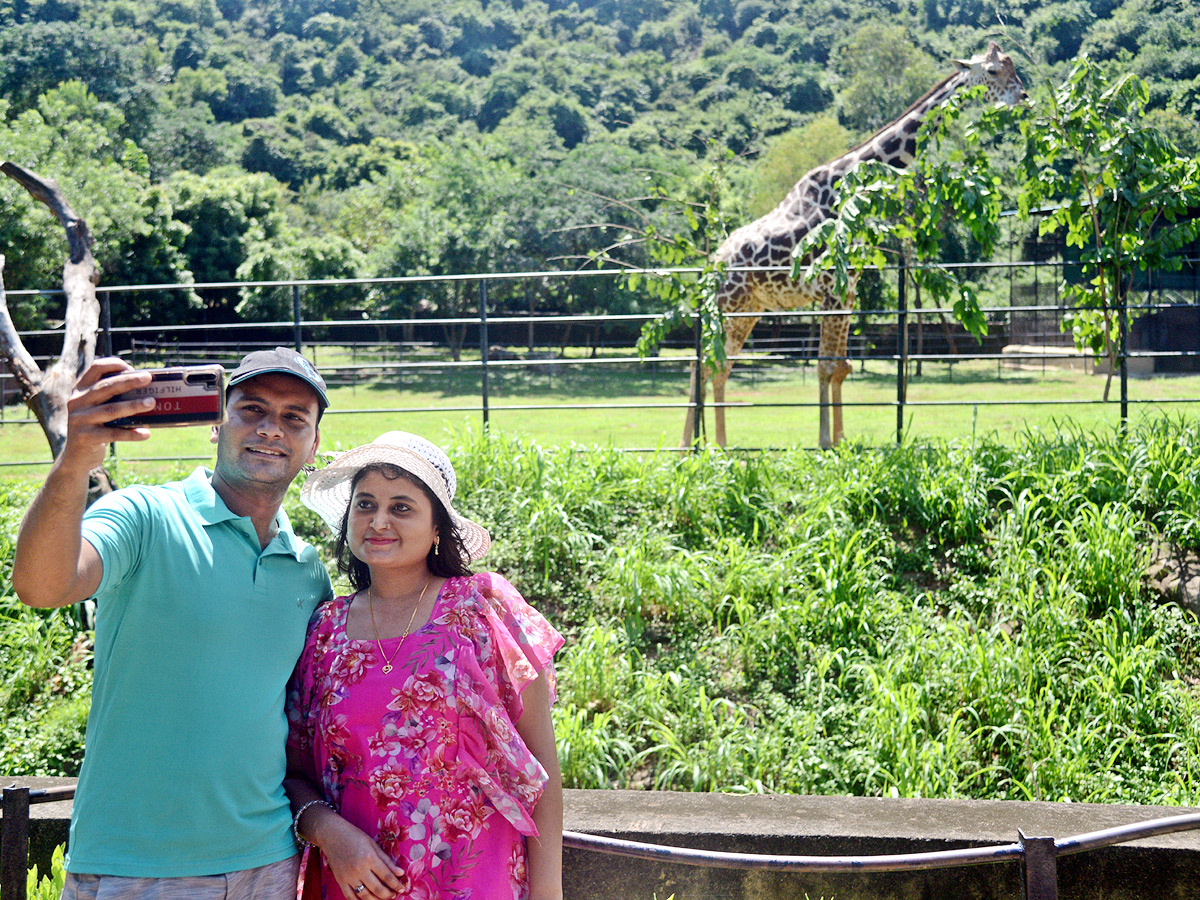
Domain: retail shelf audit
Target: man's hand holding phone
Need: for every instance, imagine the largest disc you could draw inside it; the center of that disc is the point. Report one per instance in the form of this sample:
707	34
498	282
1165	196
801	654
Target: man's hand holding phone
112	401
91	409
183	395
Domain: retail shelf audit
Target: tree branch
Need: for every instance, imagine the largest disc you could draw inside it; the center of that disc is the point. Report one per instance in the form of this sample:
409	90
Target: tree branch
80	274
23	366
47	393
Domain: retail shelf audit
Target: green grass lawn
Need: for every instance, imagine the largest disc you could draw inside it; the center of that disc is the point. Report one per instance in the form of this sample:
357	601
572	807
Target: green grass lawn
640	405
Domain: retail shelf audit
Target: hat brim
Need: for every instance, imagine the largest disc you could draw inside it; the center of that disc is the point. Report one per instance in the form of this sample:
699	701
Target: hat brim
327	491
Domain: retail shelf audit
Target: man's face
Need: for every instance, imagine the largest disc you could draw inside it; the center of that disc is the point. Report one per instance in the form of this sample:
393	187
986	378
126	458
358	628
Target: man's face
271	431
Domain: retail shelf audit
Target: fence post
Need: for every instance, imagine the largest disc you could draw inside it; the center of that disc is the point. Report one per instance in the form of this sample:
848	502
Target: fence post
698	412
1039	868
1123	352
297	331
901	348
106	323
483	349
14	844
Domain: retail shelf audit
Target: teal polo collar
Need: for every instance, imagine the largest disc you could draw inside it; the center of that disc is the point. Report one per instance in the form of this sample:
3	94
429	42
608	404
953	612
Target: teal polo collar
212	510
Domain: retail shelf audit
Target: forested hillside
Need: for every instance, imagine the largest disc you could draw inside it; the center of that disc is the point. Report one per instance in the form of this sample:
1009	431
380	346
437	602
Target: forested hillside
213	140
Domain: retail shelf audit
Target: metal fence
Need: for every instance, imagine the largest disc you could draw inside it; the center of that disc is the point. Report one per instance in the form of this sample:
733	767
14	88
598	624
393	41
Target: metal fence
1026	331
1037	856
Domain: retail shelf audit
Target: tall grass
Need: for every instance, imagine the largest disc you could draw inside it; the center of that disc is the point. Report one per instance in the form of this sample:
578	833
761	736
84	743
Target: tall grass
967	620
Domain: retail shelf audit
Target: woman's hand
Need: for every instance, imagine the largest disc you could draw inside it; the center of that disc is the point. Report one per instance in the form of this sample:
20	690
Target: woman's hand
356	860
363	871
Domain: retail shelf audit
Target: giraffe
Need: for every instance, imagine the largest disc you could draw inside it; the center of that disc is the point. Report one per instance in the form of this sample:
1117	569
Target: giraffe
769	241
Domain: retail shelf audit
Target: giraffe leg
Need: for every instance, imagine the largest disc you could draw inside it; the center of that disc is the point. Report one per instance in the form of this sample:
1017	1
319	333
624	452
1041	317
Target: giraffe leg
719	379
736	332
839	348
835	383
832	371
823	373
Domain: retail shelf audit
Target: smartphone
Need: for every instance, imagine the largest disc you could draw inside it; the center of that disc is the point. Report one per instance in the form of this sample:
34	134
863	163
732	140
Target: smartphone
183	395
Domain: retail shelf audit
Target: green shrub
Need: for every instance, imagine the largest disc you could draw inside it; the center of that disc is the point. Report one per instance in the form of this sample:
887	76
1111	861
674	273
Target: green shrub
48	886
45	690
946	621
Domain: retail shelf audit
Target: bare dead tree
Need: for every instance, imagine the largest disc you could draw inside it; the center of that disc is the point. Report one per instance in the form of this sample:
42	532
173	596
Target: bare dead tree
46	393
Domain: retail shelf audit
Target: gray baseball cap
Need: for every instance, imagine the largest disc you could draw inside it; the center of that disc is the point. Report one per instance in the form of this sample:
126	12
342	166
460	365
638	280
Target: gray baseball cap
285	361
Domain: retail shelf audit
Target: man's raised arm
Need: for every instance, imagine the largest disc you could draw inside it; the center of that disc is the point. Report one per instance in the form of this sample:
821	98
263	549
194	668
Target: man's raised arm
53	565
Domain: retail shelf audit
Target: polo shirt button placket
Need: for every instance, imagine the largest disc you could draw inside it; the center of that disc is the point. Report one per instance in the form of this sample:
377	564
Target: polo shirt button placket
260	575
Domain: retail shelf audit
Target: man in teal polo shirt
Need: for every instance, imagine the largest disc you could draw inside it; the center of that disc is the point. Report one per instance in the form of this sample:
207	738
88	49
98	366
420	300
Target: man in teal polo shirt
203	594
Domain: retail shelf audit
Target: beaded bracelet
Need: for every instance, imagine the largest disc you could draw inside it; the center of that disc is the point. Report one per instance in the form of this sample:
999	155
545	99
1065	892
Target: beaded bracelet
300	840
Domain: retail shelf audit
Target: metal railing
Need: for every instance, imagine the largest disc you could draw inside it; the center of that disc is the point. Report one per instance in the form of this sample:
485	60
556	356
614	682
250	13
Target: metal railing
905	351
1038	856
14	834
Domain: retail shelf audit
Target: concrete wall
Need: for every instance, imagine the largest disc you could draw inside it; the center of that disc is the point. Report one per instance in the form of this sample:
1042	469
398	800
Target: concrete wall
1165	867
1162	867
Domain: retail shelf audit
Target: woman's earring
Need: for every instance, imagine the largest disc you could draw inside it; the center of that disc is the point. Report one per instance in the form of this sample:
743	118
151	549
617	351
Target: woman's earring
436	541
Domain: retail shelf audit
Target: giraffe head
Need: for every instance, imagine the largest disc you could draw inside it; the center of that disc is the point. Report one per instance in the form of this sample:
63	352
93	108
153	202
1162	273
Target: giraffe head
995	70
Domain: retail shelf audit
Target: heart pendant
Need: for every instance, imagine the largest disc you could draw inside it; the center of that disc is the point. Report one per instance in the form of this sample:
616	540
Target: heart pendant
387	668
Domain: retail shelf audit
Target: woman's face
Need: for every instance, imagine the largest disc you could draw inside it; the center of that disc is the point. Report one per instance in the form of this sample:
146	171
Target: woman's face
391	522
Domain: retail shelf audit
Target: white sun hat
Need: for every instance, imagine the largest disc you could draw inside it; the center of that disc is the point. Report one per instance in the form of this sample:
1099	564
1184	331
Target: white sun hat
327	491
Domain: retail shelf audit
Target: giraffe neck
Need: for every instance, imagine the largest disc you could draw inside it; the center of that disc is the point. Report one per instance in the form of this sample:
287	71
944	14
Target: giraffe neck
814	196
896	143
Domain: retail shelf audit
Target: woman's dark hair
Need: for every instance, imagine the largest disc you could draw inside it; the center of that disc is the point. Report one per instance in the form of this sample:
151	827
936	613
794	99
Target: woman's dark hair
448	557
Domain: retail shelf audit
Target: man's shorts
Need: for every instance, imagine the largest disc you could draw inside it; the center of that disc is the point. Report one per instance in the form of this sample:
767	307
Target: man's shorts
276	881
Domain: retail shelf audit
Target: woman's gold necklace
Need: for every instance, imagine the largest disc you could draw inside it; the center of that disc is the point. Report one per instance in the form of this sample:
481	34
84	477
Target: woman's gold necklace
387	660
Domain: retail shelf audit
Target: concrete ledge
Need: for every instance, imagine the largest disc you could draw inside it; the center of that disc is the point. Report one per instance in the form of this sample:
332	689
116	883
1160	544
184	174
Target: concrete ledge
1039	357
1164	867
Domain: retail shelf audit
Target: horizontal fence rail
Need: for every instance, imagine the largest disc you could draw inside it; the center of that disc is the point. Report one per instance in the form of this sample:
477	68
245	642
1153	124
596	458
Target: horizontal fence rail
1038	856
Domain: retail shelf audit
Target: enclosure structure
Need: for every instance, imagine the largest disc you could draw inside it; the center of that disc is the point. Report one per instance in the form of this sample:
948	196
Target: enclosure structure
507	356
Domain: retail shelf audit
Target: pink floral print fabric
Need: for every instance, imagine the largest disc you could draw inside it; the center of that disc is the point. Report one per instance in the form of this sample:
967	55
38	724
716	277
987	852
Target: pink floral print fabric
427	758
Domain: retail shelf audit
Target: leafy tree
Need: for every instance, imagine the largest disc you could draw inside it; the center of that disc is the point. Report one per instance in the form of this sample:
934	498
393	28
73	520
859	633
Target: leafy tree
903	213
885	71
203	13
682	239
1180	130
1122	194
504	91
1091	167
230	215
363	210
251	93
150	251
591	198
188	138
75	136
39	56
789	156
301	258
453	219
677	36
1059	30
292	15
317	94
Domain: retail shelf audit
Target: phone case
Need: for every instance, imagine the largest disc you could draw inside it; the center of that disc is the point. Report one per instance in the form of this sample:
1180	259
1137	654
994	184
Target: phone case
184	395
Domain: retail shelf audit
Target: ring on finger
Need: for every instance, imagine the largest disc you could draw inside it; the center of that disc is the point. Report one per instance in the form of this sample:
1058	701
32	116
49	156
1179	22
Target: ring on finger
360	889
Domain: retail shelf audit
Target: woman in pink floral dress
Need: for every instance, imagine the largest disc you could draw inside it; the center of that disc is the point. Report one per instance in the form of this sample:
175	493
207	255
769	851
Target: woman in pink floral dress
422	761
